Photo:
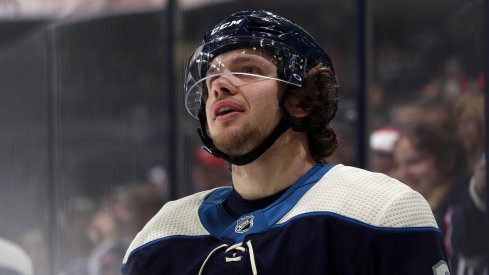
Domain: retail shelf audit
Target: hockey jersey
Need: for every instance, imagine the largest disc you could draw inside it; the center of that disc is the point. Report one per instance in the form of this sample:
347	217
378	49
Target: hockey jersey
333	220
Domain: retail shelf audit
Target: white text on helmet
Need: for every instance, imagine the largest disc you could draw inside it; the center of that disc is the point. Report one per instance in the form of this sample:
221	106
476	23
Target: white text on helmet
225	25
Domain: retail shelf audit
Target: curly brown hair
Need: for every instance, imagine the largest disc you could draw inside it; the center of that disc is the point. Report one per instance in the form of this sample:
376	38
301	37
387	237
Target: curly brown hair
319	96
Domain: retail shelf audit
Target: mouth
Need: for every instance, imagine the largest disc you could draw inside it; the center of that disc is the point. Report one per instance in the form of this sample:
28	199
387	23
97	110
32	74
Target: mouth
226	108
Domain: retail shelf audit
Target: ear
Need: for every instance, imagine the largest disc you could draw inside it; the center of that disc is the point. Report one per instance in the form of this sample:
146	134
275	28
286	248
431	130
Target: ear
293	107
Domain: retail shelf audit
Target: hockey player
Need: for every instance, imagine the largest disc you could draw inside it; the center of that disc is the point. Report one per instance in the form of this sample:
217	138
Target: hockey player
264	92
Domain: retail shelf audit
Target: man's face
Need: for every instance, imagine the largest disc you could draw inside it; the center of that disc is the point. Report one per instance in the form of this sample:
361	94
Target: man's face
241	109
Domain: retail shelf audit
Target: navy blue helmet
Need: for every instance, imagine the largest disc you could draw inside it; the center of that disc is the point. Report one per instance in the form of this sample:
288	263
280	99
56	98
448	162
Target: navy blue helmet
278	40
294	49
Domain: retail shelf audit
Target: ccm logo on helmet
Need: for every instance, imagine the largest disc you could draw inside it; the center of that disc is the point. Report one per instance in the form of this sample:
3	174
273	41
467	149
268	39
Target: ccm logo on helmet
225	25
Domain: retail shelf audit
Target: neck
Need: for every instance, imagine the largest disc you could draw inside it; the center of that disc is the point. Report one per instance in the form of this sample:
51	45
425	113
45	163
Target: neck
278	168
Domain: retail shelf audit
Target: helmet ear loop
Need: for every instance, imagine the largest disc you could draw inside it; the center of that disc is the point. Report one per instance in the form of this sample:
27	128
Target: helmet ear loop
285	93
282	72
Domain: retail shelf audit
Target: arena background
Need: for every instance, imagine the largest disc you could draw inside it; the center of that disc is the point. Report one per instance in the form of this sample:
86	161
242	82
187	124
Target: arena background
92	100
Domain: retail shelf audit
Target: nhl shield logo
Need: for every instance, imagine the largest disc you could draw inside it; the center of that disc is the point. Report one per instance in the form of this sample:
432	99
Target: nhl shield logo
244	224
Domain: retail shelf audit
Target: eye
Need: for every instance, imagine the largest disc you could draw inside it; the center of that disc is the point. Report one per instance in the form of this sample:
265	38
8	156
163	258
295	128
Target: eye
251	70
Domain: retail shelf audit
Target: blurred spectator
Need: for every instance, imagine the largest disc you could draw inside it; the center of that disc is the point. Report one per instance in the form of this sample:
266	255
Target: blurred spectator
14	260
134	207
406	113
107	245
382	143
451	84
122	215
468	227
428	111
467	221
76	245
34	242
104	233
209	171
470	119
432	161
158	176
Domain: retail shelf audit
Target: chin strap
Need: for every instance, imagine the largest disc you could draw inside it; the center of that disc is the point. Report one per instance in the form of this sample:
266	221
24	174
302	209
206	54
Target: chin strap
284	124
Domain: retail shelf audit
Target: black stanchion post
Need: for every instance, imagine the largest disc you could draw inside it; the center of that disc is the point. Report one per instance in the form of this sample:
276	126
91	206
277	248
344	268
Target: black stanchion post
361	103
172	131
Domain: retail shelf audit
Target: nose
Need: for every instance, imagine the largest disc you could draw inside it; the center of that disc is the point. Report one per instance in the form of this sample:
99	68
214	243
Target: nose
222	85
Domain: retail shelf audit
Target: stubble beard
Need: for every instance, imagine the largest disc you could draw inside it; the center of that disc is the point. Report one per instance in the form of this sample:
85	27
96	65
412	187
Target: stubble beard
239	142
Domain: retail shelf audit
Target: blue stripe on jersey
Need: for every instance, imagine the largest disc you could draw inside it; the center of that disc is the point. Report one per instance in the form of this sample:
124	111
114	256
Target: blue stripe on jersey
220	225
360	223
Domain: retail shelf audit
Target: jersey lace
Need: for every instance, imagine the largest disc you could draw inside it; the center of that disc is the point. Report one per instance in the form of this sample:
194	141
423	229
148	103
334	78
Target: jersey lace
232	255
